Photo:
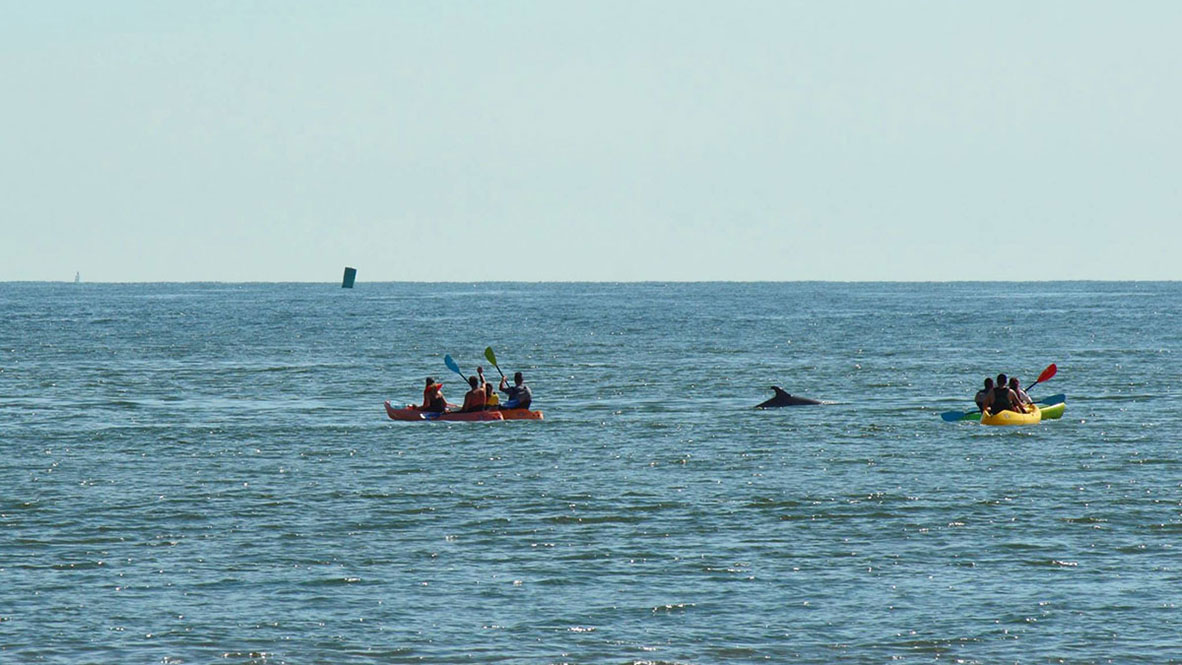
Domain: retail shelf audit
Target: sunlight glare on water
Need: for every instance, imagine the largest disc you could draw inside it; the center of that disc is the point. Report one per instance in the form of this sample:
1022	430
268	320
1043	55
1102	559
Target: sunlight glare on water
200	472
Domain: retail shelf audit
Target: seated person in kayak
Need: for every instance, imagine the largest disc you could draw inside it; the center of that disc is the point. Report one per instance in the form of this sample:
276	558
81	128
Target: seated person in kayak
981	394
491	399
474	399
1023	398
1020	398
1001	398
433	400
517	396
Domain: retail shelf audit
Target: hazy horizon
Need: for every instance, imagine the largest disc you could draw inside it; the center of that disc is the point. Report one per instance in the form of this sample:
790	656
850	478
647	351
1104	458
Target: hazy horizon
360	283
606	141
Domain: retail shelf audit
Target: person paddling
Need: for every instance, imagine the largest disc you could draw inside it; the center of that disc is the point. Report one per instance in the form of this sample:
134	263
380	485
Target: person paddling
433	400
491	400
518	396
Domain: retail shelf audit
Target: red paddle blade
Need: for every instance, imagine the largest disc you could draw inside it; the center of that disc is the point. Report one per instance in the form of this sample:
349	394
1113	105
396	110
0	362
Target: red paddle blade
1047	373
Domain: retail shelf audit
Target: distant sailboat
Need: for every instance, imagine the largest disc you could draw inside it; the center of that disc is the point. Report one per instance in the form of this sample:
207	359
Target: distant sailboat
77	277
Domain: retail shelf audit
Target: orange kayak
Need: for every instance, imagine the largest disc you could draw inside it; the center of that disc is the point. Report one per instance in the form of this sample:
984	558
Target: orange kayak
415	414
520	414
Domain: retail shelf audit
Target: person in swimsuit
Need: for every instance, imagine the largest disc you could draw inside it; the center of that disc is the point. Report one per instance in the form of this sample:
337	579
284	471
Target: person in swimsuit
474	399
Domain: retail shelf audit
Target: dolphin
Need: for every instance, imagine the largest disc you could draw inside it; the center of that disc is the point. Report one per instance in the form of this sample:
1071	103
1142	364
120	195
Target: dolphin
784	399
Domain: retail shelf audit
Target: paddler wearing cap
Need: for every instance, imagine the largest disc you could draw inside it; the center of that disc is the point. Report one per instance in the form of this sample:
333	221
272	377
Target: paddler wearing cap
433	400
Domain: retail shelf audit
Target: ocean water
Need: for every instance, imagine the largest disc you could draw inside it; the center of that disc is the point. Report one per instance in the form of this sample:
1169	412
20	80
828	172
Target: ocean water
204	473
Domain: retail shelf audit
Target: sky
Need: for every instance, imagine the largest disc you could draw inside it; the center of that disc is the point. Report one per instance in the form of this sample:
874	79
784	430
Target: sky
635	140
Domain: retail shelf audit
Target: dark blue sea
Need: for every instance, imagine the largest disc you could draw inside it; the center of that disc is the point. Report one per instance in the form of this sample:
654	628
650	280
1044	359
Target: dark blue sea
204	473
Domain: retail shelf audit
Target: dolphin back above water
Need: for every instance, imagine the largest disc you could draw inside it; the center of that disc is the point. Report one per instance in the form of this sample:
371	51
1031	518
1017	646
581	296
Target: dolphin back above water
784	399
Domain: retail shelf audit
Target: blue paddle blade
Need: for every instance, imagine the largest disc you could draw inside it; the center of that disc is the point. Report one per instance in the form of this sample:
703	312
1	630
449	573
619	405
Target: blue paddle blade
952	416
1052	399
451	364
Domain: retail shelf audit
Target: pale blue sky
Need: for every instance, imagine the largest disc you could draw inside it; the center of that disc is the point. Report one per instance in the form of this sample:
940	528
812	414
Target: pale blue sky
281	141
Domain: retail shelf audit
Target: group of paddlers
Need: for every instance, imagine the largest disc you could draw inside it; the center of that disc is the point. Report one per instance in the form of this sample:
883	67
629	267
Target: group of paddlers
480	397
1003	395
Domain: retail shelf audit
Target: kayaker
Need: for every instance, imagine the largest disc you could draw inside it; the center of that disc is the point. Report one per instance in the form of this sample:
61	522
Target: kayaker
518	396
484	384
491	399
1001	398
982	394
474	399
1023	398
433	400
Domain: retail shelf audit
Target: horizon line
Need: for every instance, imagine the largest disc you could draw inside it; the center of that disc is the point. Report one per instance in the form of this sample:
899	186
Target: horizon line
606	281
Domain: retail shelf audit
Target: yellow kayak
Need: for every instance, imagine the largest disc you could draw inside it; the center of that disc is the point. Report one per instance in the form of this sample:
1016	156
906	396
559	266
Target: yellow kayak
1034	417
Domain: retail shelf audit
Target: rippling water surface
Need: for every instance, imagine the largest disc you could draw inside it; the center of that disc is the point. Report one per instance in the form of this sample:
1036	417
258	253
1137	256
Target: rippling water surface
196	473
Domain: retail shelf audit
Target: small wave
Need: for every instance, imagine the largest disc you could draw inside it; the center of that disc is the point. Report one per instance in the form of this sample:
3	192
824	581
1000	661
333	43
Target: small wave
1053	563
1031	547
332	581
1166	527
1140	548
763	502
935	645
731	653
738	569
1087	519
597	519
656	507
802	518
673	607
249	657
81	565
